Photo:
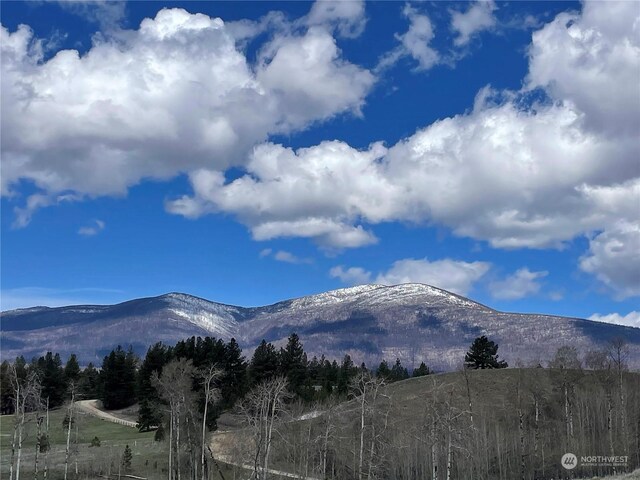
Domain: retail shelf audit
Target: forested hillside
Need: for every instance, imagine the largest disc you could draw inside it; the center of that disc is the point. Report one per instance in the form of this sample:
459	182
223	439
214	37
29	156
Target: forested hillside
323	419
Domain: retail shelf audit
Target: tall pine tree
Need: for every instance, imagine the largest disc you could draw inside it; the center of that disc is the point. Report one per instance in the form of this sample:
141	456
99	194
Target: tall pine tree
52	378
482	354
264	363
293	364
149	414
118	377
72	369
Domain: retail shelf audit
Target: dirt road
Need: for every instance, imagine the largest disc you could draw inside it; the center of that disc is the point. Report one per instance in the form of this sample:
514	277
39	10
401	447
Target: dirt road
92	407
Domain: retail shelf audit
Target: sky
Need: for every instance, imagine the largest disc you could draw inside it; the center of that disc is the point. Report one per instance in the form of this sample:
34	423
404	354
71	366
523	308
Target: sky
250	152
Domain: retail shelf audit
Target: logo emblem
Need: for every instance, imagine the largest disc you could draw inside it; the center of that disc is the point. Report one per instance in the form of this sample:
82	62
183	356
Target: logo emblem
569	461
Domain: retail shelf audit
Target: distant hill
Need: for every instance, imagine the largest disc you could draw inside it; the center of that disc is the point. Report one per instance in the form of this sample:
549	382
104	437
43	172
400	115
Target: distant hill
413	322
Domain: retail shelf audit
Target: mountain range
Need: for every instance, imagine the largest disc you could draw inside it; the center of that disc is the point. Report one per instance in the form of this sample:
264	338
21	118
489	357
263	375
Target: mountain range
413	322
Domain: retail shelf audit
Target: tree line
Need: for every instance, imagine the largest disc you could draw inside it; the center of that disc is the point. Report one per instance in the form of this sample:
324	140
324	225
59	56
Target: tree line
355	429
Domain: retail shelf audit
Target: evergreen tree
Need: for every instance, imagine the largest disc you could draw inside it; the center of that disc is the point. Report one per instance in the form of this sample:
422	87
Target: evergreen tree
421	371
156	358
483	353
346	372
90	382
293	363
149	414
118	378
160	434
72	369
384	371
127	456
264	363
45	445
6	394
398	372
52	378
234	382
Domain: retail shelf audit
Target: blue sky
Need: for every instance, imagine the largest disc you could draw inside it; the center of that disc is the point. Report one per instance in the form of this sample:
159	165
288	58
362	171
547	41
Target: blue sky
249	152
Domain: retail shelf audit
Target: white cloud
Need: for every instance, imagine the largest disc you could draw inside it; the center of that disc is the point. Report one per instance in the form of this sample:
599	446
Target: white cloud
479	17
452	275
284	256
347	16
632	319
578	57
173	96
178	95
520	284
288	257
352	275
93	229
513	172
309	80
300	194
35	202
108	14
614	258
415	42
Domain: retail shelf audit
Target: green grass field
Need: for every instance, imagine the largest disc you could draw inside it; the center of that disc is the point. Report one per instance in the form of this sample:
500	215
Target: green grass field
149	457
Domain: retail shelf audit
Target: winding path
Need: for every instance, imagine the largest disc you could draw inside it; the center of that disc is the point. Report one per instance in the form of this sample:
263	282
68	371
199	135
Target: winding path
91	407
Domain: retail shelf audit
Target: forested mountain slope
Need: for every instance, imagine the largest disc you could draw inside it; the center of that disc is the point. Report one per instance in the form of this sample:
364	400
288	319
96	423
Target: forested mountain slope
413	322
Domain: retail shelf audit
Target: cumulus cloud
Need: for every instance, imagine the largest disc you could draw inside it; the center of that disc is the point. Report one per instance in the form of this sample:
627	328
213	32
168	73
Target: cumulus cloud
452	275
614	258
513	171
346	16
415	42
477	18
284	256
175	95
93	229
178	95
579	56
351	275
108	14
308	80
632	319
297	193
520	284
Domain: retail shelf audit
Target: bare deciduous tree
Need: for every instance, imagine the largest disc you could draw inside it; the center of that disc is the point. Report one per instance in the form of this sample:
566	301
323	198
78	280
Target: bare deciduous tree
174	386
211	396
70	420
262	407
26	396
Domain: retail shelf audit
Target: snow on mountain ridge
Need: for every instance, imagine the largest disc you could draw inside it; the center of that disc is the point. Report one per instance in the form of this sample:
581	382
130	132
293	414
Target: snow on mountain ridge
373	295
213	317
333	296
217	325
